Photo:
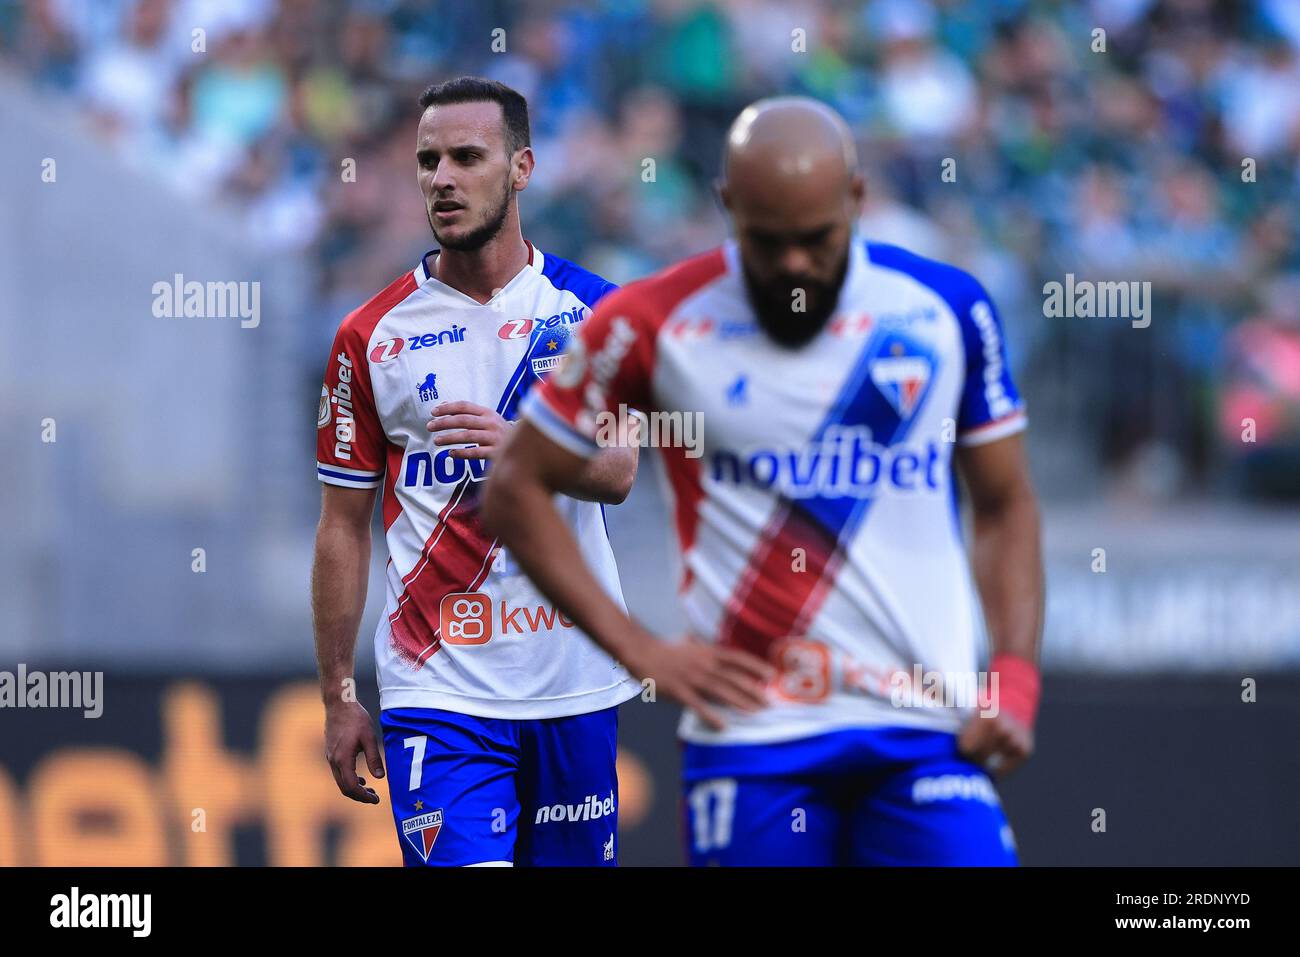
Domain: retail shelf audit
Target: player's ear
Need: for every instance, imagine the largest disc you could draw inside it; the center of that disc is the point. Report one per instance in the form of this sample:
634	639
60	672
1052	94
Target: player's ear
857	193
524	161
722	195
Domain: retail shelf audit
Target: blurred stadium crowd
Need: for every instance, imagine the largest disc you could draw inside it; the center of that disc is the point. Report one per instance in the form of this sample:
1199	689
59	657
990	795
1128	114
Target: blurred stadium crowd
1127	164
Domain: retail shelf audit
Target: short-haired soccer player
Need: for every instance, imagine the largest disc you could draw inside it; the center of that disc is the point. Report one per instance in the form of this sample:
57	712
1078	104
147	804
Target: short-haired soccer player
499	717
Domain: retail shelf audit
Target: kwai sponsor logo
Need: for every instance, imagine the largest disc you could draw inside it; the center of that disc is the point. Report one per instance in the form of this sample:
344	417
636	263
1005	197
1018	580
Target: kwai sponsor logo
809	672
472	618
465	618
593	807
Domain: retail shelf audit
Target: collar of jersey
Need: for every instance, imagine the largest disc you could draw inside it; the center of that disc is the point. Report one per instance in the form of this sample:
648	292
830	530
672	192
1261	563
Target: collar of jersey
422	275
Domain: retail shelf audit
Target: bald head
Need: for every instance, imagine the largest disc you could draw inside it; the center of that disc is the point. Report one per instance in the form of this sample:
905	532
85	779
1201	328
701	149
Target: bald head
792	189
786	140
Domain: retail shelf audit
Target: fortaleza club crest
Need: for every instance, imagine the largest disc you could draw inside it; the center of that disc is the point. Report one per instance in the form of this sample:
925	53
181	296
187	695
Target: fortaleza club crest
901	377
547	351
422	831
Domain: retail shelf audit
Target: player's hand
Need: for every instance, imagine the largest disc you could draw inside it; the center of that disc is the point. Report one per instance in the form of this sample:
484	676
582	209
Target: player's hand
698	674
458	423
348	731
998	742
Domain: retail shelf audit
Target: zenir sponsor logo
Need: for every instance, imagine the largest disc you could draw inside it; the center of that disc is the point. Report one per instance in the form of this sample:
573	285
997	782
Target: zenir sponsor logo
523	328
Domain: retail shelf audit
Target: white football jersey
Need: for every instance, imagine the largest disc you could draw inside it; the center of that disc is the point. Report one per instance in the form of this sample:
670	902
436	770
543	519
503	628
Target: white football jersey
463	630
817	518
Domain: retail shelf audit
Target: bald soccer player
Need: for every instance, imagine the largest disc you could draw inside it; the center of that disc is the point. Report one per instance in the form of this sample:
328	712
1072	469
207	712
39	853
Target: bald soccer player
836	384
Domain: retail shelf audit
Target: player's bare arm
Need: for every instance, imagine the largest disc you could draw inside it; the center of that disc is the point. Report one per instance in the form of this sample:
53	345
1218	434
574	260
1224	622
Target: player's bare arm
1009	575
606	477
338	599
518	507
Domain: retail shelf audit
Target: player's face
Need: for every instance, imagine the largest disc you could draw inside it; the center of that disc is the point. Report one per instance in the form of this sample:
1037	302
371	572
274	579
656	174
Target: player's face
794	247
465	173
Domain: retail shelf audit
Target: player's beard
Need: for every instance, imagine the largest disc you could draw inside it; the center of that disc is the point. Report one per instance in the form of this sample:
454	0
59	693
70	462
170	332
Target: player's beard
482	234
773	303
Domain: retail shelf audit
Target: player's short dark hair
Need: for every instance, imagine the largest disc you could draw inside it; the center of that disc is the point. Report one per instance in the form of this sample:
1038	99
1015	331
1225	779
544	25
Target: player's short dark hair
477	89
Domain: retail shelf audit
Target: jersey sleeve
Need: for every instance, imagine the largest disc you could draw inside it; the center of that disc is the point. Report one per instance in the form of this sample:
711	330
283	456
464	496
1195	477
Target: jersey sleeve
349	437
991	407
604	375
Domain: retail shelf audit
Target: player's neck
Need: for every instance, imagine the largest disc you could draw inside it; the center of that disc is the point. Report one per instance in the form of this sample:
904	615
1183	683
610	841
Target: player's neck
483	272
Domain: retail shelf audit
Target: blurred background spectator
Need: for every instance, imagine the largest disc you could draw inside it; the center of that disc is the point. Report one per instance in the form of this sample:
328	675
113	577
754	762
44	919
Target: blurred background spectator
1119	164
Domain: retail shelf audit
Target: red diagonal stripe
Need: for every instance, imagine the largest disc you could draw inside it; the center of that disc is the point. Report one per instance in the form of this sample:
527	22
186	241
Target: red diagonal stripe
456	557
773	601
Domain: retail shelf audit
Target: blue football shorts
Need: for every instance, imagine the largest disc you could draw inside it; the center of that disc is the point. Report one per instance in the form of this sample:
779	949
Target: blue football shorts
869	797
494	792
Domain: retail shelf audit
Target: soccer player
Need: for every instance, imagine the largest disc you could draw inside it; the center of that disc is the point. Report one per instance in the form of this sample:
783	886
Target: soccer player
838	383
499	717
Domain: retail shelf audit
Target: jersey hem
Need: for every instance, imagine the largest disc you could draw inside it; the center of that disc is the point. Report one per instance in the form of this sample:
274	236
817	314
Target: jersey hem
692	731
516	710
